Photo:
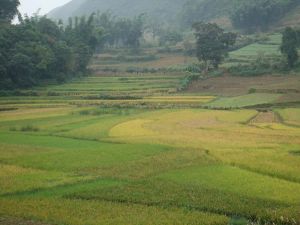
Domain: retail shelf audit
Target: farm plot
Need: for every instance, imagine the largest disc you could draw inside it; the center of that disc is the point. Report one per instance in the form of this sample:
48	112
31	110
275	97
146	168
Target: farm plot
161	62
229	86
130	149
126	90
119	85
171	166
244	100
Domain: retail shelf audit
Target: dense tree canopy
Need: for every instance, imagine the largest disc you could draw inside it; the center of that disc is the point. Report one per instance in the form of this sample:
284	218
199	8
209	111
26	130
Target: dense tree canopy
8	9
212	43
120	32
39	49
257	15
194	10
290	43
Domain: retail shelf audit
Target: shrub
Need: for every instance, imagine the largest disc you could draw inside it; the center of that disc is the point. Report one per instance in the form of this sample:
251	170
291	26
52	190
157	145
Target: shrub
108	69
29	128
238	221
194	68
141	58
252	91
215	73
262	65
187	80
21	93
105	111
52	93
32	93
4	93
12	129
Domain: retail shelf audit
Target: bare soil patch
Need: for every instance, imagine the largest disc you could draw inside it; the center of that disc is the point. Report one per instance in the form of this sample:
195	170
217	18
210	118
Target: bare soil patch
234	85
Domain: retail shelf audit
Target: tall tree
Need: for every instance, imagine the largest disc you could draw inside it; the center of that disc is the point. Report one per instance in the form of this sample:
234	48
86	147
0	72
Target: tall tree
212	43
8	9
290	42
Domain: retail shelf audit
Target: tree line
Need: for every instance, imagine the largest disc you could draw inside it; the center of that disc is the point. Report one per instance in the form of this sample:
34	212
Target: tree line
258	15
248	16
213	44
118	32
38	49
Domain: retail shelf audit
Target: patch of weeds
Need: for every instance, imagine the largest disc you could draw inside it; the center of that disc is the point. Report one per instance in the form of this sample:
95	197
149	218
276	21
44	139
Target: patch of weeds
238	221
297	152
111	97
29	128
13	129
187	81
123	79
252	91
52	93
7	109
104	111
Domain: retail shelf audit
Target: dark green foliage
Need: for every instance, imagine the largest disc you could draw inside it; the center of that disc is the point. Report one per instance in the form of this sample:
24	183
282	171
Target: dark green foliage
290	42
39	49
29	128
194	10
187	81
261	66
194	68
258	15
212	43
238	221
21	70
8	9
119	32
169	37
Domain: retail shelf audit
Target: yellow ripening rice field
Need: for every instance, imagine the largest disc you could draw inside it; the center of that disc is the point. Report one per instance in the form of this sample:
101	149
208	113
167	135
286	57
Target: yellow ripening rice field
143	166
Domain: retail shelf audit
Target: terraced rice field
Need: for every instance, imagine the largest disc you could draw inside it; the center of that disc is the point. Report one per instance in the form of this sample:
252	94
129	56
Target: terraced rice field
125	84
92	165
120	148
162	61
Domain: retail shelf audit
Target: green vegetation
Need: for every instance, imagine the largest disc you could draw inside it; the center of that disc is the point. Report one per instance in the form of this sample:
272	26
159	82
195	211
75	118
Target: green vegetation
111	119
37	49
102	144
260	14
8	10
256	15
212	43
244	100
138	162
290	43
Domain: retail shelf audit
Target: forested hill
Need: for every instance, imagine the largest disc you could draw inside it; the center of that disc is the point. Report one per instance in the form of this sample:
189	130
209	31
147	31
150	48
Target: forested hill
161	9
185	12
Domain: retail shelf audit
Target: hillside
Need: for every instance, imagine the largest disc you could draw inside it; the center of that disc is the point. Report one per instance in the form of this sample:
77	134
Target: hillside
291	19
175	12
161	9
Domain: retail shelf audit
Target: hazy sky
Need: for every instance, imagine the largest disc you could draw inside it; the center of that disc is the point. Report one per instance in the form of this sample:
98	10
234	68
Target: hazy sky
31	6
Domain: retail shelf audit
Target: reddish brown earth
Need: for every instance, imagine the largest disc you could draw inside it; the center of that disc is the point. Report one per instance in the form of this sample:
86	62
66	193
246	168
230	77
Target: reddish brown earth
234	85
